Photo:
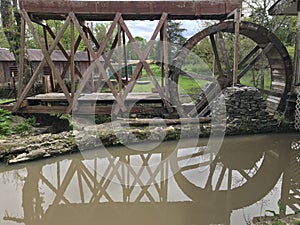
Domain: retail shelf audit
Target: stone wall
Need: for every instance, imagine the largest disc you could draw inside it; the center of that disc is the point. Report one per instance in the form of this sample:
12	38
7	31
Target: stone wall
246	111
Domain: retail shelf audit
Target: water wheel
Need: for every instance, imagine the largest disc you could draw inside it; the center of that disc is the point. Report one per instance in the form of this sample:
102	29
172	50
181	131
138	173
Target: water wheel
263	62
236	176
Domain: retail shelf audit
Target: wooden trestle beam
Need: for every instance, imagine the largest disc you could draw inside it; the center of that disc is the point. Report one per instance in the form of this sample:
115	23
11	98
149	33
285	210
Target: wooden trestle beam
131	10
76	12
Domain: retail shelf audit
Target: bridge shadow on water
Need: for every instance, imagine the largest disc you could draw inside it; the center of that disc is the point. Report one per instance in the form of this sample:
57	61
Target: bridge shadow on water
185	186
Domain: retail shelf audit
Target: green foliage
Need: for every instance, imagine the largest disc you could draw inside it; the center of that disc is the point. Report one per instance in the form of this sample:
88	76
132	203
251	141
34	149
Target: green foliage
11	24
175	33
3	40
5	115
55	26
67	117
5	118
296	222
25	126
5	128
99	119
141	43
281	206
291	51
278	223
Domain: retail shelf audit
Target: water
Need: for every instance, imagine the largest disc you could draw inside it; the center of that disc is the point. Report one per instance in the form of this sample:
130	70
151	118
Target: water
168	185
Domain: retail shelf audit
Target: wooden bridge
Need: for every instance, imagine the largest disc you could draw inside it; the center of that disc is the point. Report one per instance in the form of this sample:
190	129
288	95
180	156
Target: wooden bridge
167	97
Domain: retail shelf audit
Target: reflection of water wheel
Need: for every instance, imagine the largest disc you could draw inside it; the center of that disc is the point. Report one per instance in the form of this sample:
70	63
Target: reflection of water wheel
263	62
207	178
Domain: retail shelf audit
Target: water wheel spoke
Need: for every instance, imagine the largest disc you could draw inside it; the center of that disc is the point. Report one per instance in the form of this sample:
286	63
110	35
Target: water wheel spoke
190	156
208	185
244	174
247	57
224	54
194	166
220	179
217	57
229	180
255	60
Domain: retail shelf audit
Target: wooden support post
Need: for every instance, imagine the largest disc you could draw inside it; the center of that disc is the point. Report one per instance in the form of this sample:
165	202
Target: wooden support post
49	83
297	48
72	59
164	57
22	58
237	17
89	59
125	56
119	50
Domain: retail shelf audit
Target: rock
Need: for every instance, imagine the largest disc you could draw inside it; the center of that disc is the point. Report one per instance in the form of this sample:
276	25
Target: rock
245	111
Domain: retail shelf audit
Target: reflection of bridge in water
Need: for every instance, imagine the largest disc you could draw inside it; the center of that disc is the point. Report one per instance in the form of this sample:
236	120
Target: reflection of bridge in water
127	187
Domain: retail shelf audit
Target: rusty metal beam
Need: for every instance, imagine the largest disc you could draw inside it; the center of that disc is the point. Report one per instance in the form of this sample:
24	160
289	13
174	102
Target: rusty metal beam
133	10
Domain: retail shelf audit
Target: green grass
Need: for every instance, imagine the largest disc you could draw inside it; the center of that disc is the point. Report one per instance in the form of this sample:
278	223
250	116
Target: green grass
247	80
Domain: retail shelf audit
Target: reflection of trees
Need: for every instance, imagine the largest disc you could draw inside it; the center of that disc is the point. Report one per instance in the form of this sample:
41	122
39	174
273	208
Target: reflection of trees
131	188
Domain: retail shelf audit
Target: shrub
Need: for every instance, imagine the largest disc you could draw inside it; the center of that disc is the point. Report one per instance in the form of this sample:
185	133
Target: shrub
25	126
5	118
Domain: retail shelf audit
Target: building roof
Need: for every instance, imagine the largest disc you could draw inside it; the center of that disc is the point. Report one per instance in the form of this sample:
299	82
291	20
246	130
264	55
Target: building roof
6	55
36	55
284	7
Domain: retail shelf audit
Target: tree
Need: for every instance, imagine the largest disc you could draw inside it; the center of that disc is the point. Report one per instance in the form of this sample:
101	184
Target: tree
11	24
175	33
3	40
175	38
283	26
141	43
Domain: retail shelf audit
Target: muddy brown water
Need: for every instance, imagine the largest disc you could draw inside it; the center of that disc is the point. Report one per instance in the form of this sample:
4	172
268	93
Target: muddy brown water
249	176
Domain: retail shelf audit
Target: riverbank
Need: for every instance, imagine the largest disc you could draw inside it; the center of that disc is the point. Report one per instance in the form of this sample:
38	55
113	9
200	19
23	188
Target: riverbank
21	148
239	111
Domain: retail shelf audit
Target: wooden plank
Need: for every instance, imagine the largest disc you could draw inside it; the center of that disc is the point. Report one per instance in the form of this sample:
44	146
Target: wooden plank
133	10
22	58
237	21
131	97
97	97
72	59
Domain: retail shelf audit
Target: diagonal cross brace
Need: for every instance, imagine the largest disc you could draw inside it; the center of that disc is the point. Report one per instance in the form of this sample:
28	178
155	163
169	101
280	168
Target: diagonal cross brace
42	63
47	57
142	58
96	62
